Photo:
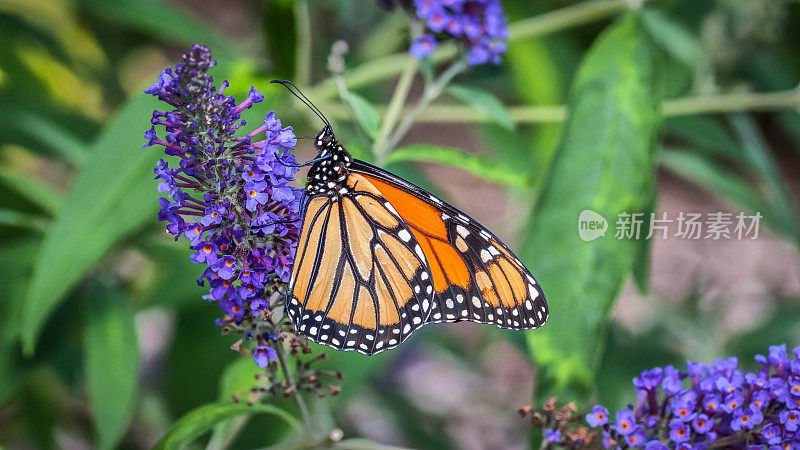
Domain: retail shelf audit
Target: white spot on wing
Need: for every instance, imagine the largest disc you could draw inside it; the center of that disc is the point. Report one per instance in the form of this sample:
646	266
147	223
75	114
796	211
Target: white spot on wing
462	231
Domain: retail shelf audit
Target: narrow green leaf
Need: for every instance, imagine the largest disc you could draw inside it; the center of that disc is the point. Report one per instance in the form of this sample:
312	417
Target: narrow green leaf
676	39
11	218
724	183
40	194
477	165
160	19
483	102
54	136
201	420
364	113
112	363
605	163
111	196
641	264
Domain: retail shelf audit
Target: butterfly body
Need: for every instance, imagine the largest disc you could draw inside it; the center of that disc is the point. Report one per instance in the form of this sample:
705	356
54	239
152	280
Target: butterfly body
379	257
327	176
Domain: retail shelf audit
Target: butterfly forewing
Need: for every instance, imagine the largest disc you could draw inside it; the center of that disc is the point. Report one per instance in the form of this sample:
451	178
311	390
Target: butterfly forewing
361	280
475	276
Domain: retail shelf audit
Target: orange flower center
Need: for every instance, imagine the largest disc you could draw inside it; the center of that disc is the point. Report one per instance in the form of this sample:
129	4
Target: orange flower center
681	432
207	248
229	263
215	214
252	193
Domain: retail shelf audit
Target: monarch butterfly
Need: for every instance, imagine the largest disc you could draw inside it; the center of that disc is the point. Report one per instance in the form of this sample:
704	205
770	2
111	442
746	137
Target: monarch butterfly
379	257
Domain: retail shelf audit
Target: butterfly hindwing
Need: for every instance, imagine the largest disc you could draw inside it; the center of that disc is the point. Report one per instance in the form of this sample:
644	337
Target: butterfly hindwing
475	276
361	280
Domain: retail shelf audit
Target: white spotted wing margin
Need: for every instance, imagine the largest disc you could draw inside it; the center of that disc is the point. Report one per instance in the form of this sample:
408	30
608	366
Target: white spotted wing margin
360	281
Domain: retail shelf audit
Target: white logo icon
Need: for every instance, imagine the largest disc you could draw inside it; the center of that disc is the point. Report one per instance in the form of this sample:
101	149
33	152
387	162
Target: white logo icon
591	225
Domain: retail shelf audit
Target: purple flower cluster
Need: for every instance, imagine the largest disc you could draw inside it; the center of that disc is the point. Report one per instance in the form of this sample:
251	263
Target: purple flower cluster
480	24
715	405
228	195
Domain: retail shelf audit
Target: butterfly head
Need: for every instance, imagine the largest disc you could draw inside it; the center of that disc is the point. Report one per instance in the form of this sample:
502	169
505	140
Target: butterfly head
325	141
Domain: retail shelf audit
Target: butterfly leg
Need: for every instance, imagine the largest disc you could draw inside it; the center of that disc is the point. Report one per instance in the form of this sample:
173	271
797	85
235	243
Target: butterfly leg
307	163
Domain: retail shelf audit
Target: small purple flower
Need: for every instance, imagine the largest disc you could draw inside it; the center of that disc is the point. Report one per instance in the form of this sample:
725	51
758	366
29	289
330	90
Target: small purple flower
672	383
760	399
423	46
649	379
679	431
636	439
733	402
255	194
702	423
790	419
772	434
683	408
225	267
194	232
552	436
206	253
655	444
263	355
712	403
746	419
214	215
626	423
258	305
598	416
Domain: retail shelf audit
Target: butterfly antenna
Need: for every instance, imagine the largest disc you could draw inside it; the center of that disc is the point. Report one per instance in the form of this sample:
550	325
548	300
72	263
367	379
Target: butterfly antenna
294	90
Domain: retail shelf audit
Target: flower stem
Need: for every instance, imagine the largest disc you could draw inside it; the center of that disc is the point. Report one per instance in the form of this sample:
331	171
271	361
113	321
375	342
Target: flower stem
301	404
431	93
302	62
380	147
723	103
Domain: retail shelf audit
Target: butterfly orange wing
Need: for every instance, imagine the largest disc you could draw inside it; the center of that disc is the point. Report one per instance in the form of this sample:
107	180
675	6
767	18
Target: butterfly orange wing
361	280
475	276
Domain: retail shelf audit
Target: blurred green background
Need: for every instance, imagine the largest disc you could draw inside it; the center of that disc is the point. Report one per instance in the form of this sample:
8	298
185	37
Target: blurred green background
106	342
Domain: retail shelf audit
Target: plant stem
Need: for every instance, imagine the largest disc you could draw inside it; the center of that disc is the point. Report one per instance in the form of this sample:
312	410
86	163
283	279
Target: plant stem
301	404
394	109
432	92
723	103
542	24
302	16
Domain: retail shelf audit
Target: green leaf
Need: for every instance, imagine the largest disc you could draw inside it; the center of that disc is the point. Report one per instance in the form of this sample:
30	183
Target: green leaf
112	195
676	39
605	163
477	165
364	113
112	363
202	419
723	182
483	102
160	19
53	136
31	189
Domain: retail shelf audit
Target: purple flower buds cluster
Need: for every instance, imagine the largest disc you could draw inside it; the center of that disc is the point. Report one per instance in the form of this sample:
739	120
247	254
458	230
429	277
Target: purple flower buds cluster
715	405
480	24
228	195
